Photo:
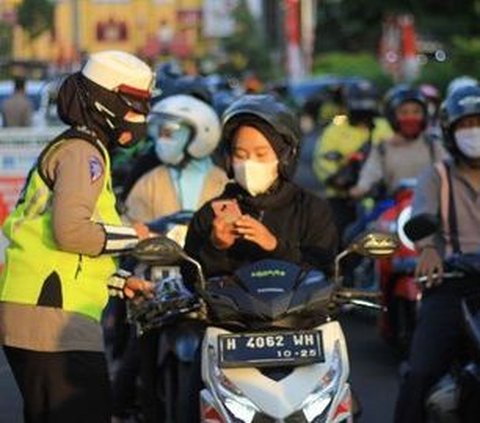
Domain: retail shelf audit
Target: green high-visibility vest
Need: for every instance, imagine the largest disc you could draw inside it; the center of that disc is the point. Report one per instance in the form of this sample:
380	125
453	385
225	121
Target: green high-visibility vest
36	272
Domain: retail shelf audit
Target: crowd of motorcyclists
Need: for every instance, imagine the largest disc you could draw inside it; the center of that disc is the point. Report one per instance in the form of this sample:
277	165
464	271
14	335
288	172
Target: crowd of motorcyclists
229	159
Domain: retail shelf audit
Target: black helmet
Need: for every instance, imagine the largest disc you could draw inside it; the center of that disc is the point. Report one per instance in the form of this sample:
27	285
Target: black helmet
461	103
398	95
275	114
361	96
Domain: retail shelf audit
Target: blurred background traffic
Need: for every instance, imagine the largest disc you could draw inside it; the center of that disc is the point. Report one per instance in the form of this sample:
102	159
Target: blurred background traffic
303	50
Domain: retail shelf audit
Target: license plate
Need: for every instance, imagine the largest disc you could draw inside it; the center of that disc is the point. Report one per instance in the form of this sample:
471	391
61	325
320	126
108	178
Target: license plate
270	349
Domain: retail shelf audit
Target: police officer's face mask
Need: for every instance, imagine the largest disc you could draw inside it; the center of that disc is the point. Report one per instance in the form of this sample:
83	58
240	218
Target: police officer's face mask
130	130
125	118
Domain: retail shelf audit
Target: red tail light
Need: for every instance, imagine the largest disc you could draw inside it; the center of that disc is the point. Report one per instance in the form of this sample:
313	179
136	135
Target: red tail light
210	414
345	405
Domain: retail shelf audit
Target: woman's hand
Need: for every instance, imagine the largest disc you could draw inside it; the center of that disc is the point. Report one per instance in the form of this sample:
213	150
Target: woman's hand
430	264
223	234
255	231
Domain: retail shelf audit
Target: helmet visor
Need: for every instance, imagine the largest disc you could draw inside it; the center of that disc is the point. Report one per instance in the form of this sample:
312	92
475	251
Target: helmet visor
137	104
164	126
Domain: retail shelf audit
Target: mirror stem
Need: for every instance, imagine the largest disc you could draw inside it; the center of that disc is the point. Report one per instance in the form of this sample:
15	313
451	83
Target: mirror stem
198	267
338	259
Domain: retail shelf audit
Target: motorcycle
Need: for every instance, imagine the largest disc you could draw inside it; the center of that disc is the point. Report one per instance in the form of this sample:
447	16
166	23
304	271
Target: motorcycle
169	323
455	397
400	293
272	350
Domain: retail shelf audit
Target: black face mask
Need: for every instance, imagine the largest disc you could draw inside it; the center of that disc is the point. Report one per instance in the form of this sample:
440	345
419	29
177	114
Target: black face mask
138	131
106	111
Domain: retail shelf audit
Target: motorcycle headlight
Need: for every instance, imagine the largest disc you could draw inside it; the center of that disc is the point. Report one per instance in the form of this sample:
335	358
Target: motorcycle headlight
230	396
403	218
317	403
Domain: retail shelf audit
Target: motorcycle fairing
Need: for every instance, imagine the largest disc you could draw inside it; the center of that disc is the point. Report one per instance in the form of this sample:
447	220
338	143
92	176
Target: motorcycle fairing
267	291
279	399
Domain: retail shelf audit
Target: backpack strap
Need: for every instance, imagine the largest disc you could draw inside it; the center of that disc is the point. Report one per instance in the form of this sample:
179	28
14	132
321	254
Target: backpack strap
447	207
430	140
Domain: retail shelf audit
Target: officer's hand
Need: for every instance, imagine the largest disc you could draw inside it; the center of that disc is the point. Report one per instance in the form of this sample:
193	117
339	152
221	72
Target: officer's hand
255	231
430	265
135	286
223	234
142	231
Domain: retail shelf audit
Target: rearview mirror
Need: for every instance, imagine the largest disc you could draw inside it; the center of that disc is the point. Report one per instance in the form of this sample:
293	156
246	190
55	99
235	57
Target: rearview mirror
372	244
375	244
159	250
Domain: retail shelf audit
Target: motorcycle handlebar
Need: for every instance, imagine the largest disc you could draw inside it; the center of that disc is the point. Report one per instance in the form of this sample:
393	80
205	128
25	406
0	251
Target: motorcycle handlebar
357	294
448	275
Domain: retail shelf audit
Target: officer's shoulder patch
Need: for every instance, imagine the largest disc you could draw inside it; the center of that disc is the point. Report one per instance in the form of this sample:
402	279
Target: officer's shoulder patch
95	167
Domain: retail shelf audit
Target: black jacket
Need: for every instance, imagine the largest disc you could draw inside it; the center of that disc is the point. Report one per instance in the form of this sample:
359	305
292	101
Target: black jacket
302	223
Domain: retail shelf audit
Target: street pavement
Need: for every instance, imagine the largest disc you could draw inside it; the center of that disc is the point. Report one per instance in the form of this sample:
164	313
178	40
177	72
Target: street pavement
10	401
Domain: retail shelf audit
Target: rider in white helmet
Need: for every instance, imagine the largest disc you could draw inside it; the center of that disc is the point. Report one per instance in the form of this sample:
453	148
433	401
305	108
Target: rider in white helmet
185	131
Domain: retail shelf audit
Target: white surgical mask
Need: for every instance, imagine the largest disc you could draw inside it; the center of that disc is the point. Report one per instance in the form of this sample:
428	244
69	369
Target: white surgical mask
255	177
468	142
169	151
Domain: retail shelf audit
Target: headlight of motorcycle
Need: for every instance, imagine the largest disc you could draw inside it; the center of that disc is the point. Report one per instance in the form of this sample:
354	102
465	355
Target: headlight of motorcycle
230	396
317	403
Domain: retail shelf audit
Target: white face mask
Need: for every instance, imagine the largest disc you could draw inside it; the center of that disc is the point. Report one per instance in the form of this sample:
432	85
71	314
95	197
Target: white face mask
468	142
169	151
255	177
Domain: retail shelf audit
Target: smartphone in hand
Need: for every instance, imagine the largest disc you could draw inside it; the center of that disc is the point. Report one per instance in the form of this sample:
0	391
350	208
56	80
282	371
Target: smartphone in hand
228	210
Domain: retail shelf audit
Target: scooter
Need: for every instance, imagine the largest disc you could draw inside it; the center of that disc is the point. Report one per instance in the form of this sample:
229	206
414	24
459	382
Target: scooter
272	349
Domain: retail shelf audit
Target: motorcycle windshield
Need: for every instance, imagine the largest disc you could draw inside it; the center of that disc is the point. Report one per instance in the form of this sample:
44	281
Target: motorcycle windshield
268	291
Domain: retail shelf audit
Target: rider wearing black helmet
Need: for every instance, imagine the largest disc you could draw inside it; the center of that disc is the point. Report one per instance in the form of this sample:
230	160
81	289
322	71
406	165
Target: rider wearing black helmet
450	191
262	213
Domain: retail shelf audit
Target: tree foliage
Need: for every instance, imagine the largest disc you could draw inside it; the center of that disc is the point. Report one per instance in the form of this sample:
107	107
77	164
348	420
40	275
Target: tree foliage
247	48
36	16
357	24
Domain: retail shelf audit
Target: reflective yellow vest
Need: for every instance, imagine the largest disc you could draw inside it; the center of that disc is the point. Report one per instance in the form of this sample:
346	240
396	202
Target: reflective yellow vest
36	272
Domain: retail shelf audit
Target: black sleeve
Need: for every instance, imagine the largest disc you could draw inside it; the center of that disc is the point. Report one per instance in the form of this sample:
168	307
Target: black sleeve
321	238
199	246
319	241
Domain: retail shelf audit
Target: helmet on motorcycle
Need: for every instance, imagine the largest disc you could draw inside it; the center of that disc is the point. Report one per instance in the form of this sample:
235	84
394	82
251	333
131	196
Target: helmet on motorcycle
463	102
361	100
460	82
191	124
399	95
111	86
271	117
